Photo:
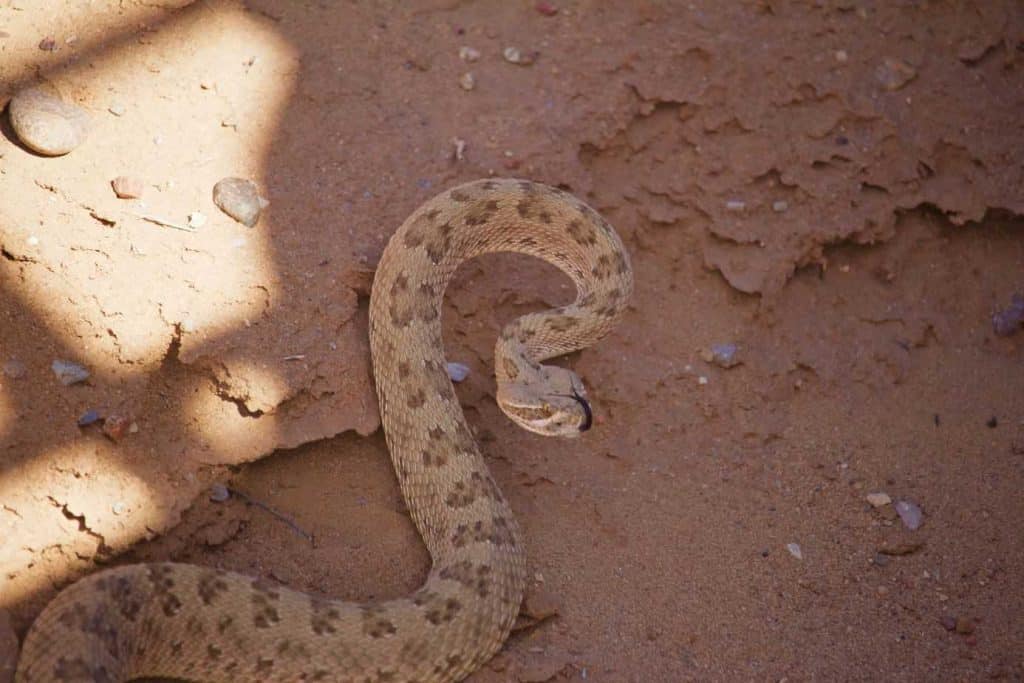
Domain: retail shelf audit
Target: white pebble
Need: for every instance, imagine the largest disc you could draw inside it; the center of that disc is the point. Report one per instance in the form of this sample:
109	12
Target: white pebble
702	380
780	206
119	508
468	54
467	81
458	372
910	514
735	205
196	220
794	550
219	493
879	499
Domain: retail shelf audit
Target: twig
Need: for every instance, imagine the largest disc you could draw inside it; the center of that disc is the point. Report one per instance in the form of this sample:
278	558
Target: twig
281	516
164	223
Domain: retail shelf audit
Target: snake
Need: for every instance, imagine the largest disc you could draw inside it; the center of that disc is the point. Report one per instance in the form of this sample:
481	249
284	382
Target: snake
197	623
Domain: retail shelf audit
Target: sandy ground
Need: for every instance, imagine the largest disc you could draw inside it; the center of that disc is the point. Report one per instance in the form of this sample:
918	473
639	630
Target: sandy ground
834	187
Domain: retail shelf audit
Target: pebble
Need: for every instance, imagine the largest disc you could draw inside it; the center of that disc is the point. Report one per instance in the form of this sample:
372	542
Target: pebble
468	54
240	199
894	73
514	55
546	8
724	355
115	426
119	508
878	499
460	148
735	205
69	373
15	369
196	219
1009	320
841	56
780	206
48	44
795	551
881	559
88	418
467	81
964	626
127	187
948	622
219	493
116	109
458	372
45	123
910	514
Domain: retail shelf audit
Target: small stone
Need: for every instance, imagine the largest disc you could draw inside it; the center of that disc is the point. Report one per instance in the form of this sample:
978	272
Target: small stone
88	418
133	428
735	205
15	369
893	73
460	148
724	355
910	514
702	380
458	372
238	198
468	54
1009	320
992	422
841	56
196	220
219	493
115	426
881	559
539	604
467	81
119	508
546	8
514	55
116	109
898	549
780	206
878	499
127	187
964	626
69	373
48	44
948	622
795	551
45	123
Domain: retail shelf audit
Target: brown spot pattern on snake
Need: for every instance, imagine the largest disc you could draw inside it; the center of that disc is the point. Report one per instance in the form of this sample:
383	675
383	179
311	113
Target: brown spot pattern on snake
211	585
162	584
264	599
324	617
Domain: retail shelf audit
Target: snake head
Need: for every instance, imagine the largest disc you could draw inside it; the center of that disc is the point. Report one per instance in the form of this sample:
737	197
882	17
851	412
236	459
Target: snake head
550	402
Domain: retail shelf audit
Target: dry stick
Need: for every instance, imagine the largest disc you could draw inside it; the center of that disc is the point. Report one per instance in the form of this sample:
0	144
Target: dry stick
164	223
281	516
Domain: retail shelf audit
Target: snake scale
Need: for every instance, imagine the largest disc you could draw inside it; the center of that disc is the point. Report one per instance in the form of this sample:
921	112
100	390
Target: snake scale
203	624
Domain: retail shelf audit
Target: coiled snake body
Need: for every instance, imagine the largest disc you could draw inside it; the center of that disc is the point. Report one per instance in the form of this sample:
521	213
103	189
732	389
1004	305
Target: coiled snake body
197	623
